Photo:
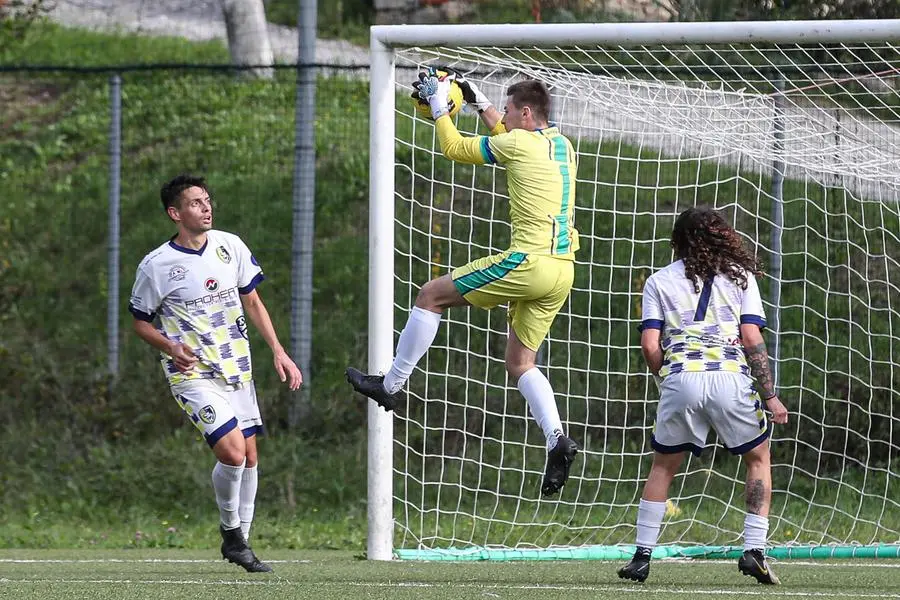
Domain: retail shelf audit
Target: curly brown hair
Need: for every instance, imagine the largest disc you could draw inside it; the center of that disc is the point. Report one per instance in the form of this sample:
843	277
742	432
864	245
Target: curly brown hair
709	246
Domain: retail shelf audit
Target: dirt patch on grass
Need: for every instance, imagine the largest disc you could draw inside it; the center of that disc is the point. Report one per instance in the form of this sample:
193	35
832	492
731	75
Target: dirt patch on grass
20	100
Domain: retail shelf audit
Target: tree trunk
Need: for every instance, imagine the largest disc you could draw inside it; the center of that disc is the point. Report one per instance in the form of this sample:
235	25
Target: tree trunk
248	36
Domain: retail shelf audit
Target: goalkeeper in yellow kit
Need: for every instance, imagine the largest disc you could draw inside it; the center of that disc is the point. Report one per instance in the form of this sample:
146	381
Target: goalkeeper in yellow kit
534	276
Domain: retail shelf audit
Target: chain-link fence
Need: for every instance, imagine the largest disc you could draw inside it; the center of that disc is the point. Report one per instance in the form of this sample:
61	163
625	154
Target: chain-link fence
83	160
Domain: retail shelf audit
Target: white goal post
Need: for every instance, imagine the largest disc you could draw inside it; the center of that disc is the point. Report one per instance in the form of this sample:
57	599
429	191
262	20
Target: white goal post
791	128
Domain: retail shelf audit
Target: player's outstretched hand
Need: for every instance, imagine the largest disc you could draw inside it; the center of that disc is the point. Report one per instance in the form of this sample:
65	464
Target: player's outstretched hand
287	370
435	91
779	412
183	357
471	94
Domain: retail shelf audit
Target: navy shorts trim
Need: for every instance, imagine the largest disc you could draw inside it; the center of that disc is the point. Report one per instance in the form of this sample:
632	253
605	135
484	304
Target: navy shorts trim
686	447
221	432
253	430
745	448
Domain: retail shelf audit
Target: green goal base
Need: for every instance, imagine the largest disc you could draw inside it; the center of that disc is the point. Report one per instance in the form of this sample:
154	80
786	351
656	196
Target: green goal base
625	552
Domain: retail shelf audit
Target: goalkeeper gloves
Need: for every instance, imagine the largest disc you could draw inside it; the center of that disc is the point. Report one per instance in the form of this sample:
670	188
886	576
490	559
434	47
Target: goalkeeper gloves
435	90
471	94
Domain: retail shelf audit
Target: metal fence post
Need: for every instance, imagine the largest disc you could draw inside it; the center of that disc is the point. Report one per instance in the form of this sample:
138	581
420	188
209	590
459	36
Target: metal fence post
115	167
304	206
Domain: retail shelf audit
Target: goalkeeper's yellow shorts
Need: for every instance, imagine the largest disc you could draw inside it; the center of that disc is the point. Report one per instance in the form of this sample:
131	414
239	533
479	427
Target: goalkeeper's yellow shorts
534	285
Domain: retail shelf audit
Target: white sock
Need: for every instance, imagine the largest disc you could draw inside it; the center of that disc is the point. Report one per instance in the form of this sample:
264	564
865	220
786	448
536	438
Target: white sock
248	499
227	484
537	391
415	339
756	530
650	517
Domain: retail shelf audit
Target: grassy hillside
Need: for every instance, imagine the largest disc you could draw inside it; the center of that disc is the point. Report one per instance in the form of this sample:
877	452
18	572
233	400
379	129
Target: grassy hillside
84	446
92	460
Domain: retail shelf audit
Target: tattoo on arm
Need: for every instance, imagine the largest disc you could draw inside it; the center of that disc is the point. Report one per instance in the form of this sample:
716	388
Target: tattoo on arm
756	491
758	360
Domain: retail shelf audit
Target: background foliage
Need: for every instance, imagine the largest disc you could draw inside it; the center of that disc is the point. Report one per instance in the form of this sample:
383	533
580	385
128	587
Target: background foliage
94	461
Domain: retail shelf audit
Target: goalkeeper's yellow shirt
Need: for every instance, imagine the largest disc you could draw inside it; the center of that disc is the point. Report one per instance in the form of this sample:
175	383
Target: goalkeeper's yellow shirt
541	169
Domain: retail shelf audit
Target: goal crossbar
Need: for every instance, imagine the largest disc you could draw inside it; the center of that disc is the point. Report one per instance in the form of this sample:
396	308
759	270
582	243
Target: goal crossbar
629	34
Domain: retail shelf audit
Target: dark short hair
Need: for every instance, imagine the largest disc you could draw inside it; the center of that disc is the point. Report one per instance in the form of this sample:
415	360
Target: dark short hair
170	194
533	94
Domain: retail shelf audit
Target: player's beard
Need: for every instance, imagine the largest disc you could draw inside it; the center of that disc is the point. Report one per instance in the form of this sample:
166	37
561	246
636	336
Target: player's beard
202	226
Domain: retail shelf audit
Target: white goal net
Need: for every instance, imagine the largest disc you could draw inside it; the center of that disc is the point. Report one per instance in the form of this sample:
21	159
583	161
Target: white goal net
798	145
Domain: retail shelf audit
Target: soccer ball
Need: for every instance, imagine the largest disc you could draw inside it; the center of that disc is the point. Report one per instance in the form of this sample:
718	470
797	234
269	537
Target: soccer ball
454	101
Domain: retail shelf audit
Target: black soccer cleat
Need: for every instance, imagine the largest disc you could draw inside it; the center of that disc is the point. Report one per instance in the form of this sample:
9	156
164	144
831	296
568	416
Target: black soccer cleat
372	386
753	563
235	550
639	567
559	459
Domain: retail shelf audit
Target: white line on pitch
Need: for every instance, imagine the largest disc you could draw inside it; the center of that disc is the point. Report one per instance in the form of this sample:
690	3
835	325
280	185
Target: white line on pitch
131	560
887	563
6	580
499	587
625	588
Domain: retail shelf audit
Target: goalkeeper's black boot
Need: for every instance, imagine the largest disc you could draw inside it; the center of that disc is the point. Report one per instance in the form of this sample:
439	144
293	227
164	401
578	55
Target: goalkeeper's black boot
236	550
753	563
559	459
639	567
372	386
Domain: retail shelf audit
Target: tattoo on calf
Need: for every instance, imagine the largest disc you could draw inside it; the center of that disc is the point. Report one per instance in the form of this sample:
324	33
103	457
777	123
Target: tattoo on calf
756	491
758	361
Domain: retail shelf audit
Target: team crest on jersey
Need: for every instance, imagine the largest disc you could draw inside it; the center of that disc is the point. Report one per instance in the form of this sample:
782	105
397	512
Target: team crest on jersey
223	255
177	273
211	285
207	414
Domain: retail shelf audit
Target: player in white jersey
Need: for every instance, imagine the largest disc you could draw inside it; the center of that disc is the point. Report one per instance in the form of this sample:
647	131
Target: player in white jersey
189	301
701	336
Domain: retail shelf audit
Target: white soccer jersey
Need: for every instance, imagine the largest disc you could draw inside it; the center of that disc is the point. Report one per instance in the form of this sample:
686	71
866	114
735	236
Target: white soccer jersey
700	330
195	294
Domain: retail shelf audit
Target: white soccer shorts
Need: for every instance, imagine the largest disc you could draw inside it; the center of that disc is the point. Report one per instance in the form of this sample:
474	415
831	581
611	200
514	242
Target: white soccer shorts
215	407
691	403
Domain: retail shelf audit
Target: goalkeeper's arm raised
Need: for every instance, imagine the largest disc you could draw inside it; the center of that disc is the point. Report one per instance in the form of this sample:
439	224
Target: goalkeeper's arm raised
473	150
476	99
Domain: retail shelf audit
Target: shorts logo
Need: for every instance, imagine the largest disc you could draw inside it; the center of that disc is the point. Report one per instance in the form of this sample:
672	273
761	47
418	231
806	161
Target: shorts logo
177	273
207	414
223	255
242	326
211	285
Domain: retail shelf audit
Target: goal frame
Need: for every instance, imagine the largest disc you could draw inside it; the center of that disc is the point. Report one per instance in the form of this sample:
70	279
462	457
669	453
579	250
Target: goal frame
383	40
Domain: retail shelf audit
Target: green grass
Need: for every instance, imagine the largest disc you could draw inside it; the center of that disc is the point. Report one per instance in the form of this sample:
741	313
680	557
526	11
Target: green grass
309	495
50	44
342	19
338	575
